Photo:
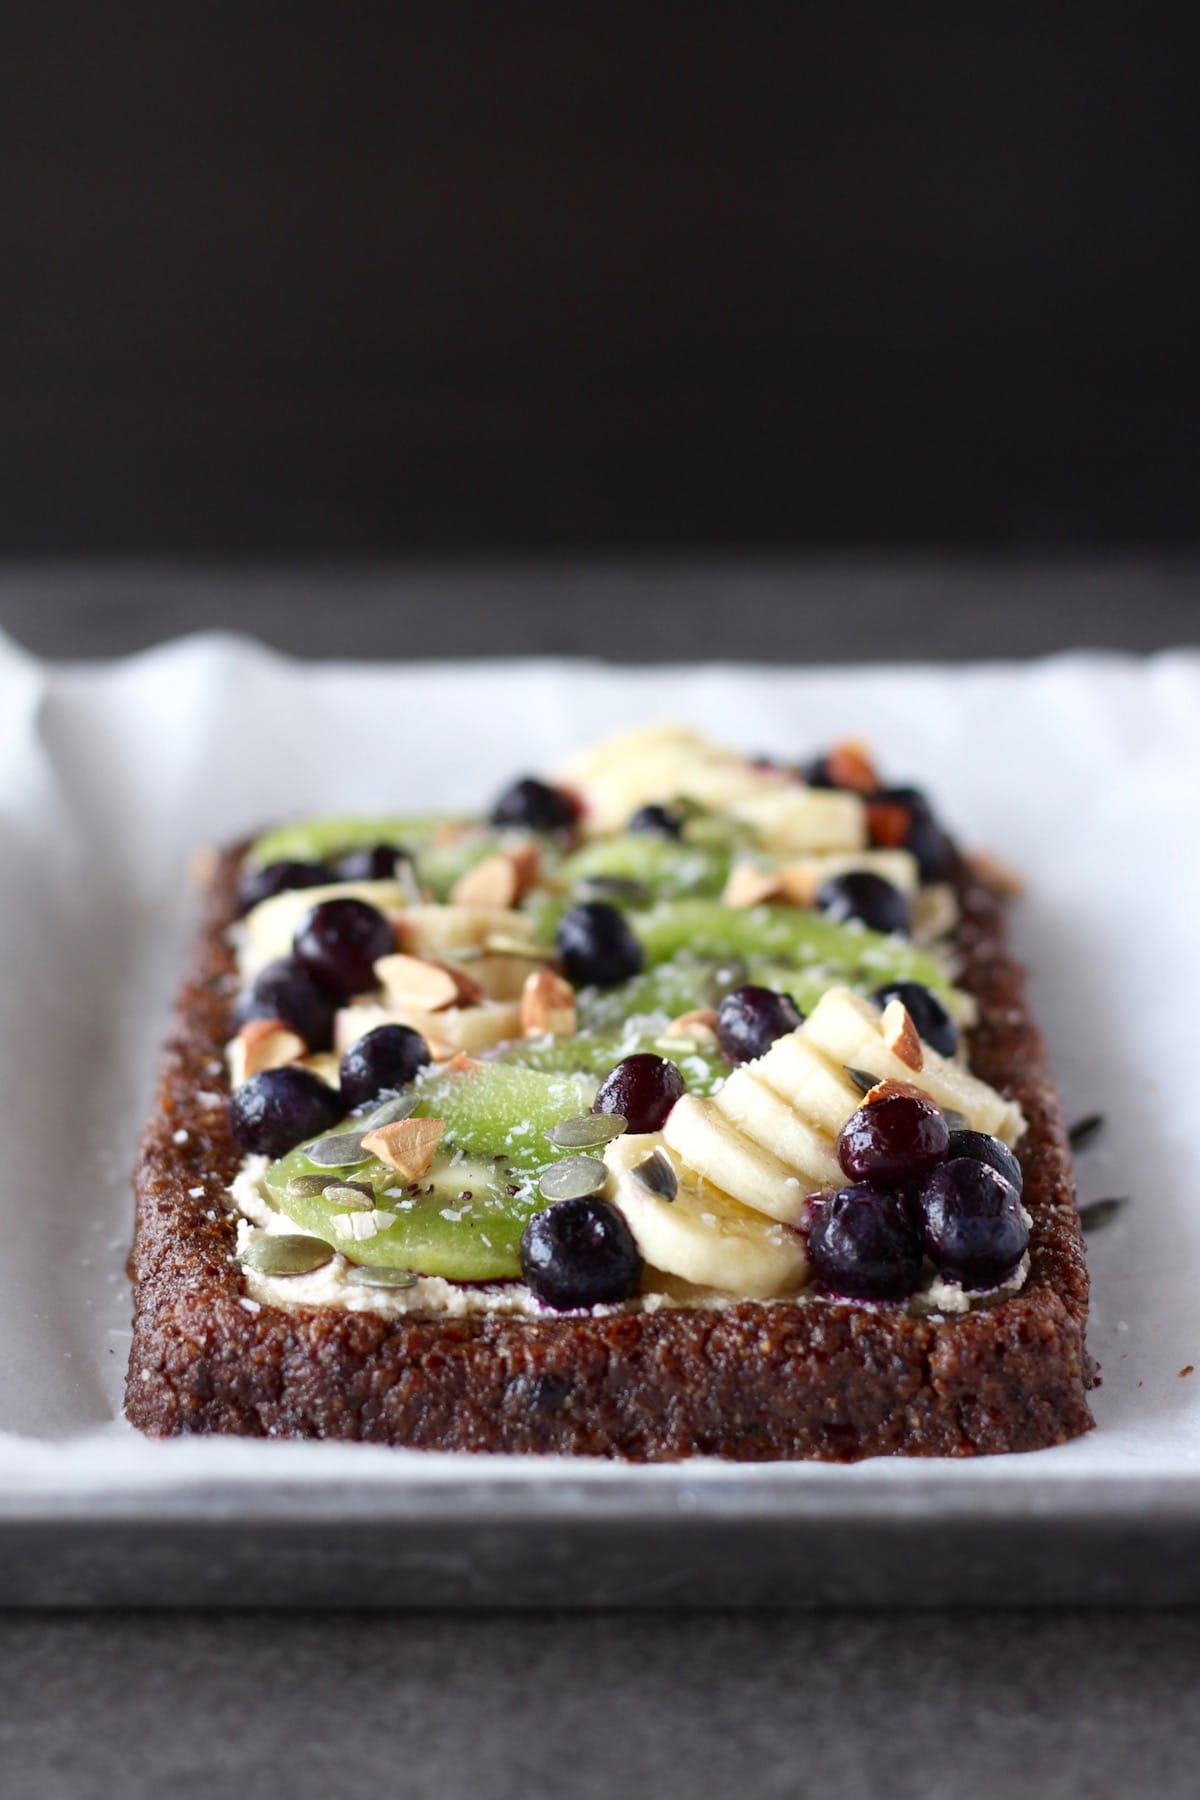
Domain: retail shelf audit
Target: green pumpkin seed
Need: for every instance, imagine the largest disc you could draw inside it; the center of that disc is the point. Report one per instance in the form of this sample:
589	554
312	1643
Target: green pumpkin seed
306	1187
657	1176
400	1106
340	1150
353	1195
863	1079
586	1131
1085	1131
1101	1212
500	945
290	1254
574	1178
376	1276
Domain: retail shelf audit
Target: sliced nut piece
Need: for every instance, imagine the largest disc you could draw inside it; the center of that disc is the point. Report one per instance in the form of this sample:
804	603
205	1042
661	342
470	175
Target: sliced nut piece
413	981
893	1090
901	1035
263	1044
748	886
499	880
462	1064
850	766
699	1026
407	1146
798	884
547	1005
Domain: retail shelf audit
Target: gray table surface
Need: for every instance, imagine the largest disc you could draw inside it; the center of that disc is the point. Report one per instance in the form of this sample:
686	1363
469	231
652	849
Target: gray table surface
929	1704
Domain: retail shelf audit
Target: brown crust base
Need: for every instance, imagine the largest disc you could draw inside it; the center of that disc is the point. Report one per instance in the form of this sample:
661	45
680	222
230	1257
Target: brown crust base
832	1381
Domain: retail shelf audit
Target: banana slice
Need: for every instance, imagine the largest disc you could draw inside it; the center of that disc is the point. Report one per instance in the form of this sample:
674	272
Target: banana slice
847	1029
268	930
701	1235
792	819
434	931
470	1029
819	1091
757	1110
707	1142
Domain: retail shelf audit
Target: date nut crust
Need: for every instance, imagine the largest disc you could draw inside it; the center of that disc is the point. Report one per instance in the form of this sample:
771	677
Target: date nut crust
831	1381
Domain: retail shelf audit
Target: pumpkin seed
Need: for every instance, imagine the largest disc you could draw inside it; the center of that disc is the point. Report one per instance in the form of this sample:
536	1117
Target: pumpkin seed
305	1187
340	1150
586	1131
377	1276
500	945
400	1106
863	1079
289	1254
574	1178
1085	1131
1099	1213
657	1176
354	1195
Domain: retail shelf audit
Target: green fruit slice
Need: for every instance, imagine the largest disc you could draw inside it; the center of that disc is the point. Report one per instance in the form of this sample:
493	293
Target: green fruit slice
320	840
669	869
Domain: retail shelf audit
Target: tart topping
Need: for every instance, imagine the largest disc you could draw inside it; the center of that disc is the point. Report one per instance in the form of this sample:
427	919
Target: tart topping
424	985
580	1253
586	1131
262	1044
407	1146
284	990
573	1178
340	941
981	1148
386	1058
279	1108
259	884
597	946
862	1244
501	880
894	1138
751	1018
547	1005
536	806
971	1222
900	1034
870	899
642	1089
930	1015
288	1253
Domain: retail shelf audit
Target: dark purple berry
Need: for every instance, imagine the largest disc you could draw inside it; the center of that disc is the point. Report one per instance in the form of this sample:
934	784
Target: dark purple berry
273	1112
751	1018
376	862
868	898
934	1024
971	1222
656	821
920	835
597	947
257	885
340	941
642	1089
536	806
893	1139
815	773
384	1060
861	1242
284	989
580	1253
981	1148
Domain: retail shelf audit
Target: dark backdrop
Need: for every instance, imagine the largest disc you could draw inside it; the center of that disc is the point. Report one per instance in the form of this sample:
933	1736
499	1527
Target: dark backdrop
344	277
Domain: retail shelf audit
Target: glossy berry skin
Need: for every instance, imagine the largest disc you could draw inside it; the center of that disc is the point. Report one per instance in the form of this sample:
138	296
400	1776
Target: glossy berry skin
870	899
862	1243
597	947
383	1061
928	1013
284	989
893	1140
924	837
580	1253
751	1018
377	862
971	1222
642	1089
536	806
340	941
981	1148
273	1112
257	885
656	821
815	774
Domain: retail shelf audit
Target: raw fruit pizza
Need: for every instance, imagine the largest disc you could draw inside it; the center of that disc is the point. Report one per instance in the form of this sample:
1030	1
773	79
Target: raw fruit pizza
668	1027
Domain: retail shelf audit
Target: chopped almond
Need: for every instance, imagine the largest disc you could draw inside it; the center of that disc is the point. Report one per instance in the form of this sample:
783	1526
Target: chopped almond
901	1035
850	766
748	886
547	1005
890	1090
700	1026
501	880
416	981
263	1044
798	884
462	1064
407	1146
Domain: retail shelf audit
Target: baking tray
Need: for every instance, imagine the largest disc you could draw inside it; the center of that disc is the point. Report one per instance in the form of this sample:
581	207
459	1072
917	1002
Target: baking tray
1080	770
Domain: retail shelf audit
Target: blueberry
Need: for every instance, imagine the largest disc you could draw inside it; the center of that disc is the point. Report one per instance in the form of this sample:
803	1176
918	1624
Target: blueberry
981	1148
751	1018
923	837
971	1222
815	774
861	1242
285	989
934	1024
656	821
273	1112
580	1253
868	898
642	1089
536	806
597	947
257	885
340	941
384	1060
895	1139
374	862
